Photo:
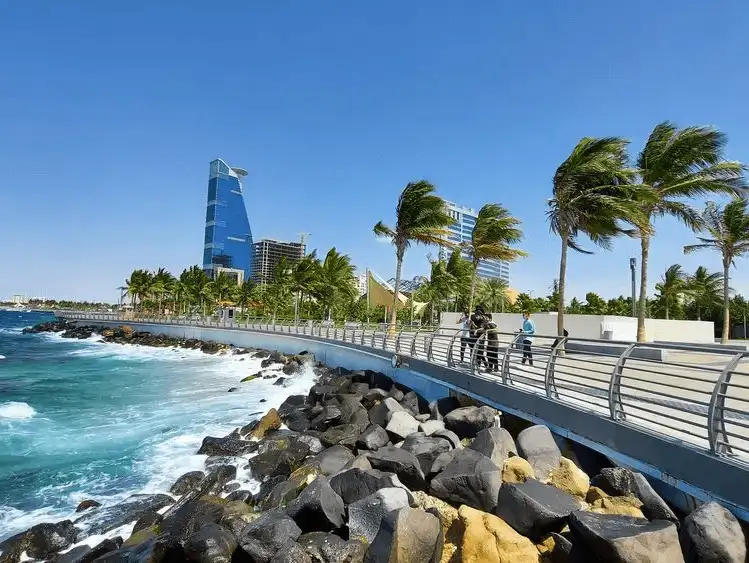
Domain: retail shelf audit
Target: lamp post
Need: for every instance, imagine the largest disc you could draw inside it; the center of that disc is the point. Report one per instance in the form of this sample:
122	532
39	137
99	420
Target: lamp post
632	268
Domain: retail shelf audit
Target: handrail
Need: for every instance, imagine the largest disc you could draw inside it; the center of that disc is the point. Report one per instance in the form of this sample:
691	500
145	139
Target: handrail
684	399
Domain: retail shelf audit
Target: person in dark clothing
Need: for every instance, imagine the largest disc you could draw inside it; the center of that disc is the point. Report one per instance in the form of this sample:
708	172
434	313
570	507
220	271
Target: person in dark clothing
492	343
465	337
557	340
478	320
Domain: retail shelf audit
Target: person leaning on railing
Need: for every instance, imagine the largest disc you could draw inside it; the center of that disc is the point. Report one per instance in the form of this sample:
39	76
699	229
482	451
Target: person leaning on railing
465	338
492	343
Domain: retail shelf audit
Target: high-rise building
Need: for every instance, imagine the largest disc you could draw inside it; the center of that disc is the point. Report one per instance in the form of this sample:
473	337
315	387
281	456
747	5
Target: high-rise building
228	238
267	253
461	230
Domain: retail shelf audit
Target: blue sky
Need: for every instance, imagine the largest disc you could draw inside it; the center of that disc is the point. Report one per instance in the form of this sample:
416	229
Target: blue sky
110	113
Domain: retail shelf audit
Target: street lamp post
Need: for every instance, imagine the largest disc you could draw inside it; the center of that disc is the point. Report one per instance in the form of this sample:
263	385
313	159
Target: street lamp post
632	268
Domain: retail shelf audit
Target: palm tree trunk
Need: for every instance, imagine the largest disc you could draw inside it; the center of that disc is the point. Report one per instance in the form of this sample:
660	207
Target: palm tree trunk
474	277
699	316
560	292
666	298
399	252
726	304
642	303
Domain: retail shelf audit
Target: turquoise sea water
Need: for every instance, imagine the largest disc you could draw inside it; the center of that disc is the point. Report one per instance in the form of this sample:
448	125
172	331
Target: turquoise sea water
85	419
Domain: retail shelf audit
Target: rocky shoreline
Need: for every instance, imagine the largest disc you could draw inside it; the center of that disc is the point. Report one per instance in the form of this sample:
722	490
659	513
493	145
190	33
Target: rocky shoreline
365	470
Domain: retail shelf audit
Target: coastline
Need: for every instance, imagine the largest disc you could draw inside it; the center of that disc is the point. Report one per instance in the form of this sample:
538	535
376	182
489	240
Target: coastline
362	469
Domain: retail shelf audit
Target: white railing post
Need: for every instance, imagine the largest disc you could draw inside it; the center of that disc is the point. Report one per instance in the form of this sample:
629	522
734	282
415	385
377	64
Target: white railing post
716	420
616	408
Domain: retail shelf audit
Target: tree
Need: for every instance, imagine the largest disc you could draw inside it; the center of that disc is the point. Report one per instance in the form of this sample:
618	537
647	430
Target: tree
278	292
221	290
161	284
461	271
306	276
674	165
245	294
728	230
493	293
704	288
139	286
592	196
420	217
335	281
492	238
672	287
594	304
195	281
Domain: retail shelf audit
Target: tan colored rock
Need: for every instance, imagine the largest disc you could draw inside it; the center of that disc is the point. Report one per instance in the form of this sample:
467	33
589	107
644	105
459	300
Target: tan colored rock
546	547
127	331
517	470
595	493
570	478
626	506
271	421
489	539
305	475
452	525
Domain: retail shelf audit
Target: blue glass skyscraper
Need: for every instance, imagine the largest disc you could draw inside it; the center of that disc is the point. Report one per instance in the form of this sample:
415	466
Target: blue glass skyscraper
228	238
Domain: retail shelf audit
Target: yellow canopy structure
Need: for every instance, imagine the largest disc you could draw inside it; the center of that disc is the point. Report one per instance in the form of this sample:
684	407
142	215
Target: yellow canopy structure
380	293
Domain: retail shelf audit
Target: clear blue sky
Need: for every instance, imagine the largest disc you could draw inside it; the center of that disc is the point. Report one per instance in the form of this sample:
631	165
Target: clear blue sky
111	111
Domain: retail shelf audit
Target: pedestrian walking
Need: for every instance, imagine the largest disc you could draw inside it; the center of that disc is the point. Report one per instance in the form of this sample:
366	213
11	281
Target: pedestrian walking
526	336
492	343
465	337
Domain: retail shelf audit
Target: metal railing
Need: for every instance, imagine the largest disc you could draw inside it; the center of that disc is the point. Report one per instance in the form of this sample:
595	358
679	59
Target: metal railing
696	394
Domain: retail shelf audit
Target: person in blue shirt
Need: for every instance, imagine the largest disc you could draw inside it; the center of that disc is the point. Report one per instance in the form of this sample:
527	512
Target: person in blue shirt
526	336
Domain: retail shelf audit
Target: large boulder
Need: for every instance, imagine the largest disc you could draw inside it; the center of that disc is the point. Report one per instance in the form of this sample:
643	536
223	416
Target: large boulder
440	462
380	413
466	422
297	421
211	543
488	539
536	444
278	462
570	478
40	541
495	443
318	508
470	478
403	463
365	515
187	482
291	552
534	509
626	506
401	425
407	535
292	403
517	470
220	475
343	434
329	415
313	443
426	449
620	481
329	548
333	459
230	447
108	518
373	396
450	436
429	427
262	538
86	554
452	526
410	402
372	438
355	484
270	421
712	534
87	504
623	539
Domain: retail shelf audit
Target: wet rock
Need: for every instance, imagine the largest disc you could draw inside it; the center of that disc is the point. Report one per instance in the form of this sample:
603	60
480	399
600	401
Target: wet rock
343	434
240	495
329	548
291	552
187	482
321	392
431	426
221	475
488	538
622	539
517	470
86	504
108	518
426	449
282	494
318	508
147	520
278	462
355	484
450	436
365	515
266	487
408	535
262	538
570	478
226	446
360	389
333	459
534	509
230	487
282	382
211	544
373	397
470	478
712	534
292	403
40	541
537	445
313	442
297	421
620	481
329	416
380	413
466	422
292	367
372	438
403	463
86	554
232	389
401	425
495	443
270	421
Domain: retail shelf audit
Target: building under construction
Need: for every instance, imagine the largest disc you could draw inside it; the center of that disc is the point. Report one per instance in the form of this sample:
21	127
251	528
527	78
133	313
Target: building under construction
267	253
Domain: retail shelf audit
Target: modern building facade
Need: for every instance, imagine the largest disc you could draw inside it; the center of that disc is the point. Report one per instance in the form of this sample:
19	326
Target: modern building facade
228	238
461	230
267	253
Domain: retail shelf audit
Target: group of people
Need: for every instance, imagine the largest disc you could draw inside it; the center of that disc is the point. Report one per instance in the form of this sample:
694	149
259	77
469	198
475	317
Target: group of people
486	350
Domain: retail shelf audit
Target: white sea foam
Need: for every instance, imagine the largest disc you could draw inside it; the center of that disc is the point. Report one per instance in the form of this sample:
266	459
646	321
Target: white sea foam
15	410
2	357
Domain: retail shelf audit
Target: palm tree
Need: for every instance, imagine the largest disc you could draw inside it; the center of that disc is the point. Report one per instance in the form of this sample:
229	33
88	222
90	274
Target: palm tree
672	286
306	275
593	197
705	289
493	293
420	217
245	294
493	234
221	289
335	280
436	290
461	271
195	281
674	165
278	291
139	286
162	281
728	230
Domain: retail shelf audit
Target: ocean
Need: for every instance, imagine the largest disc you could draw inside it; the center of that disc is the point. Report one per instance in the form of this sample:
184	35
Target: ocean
84	419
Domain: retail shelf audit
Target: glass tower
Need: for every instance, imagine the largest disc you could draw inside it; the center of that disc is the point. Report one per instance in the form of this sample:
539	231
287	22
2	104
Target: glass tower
228	239
461	230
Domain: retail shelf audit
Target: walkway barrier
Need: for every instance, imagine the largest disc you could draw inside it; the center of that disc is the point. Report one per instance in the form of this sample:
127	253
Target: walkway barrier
696	395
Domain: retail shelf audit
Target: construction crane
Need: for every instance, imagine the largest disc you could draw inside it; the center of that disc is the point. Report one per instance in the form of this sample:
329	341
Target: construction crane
303	240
